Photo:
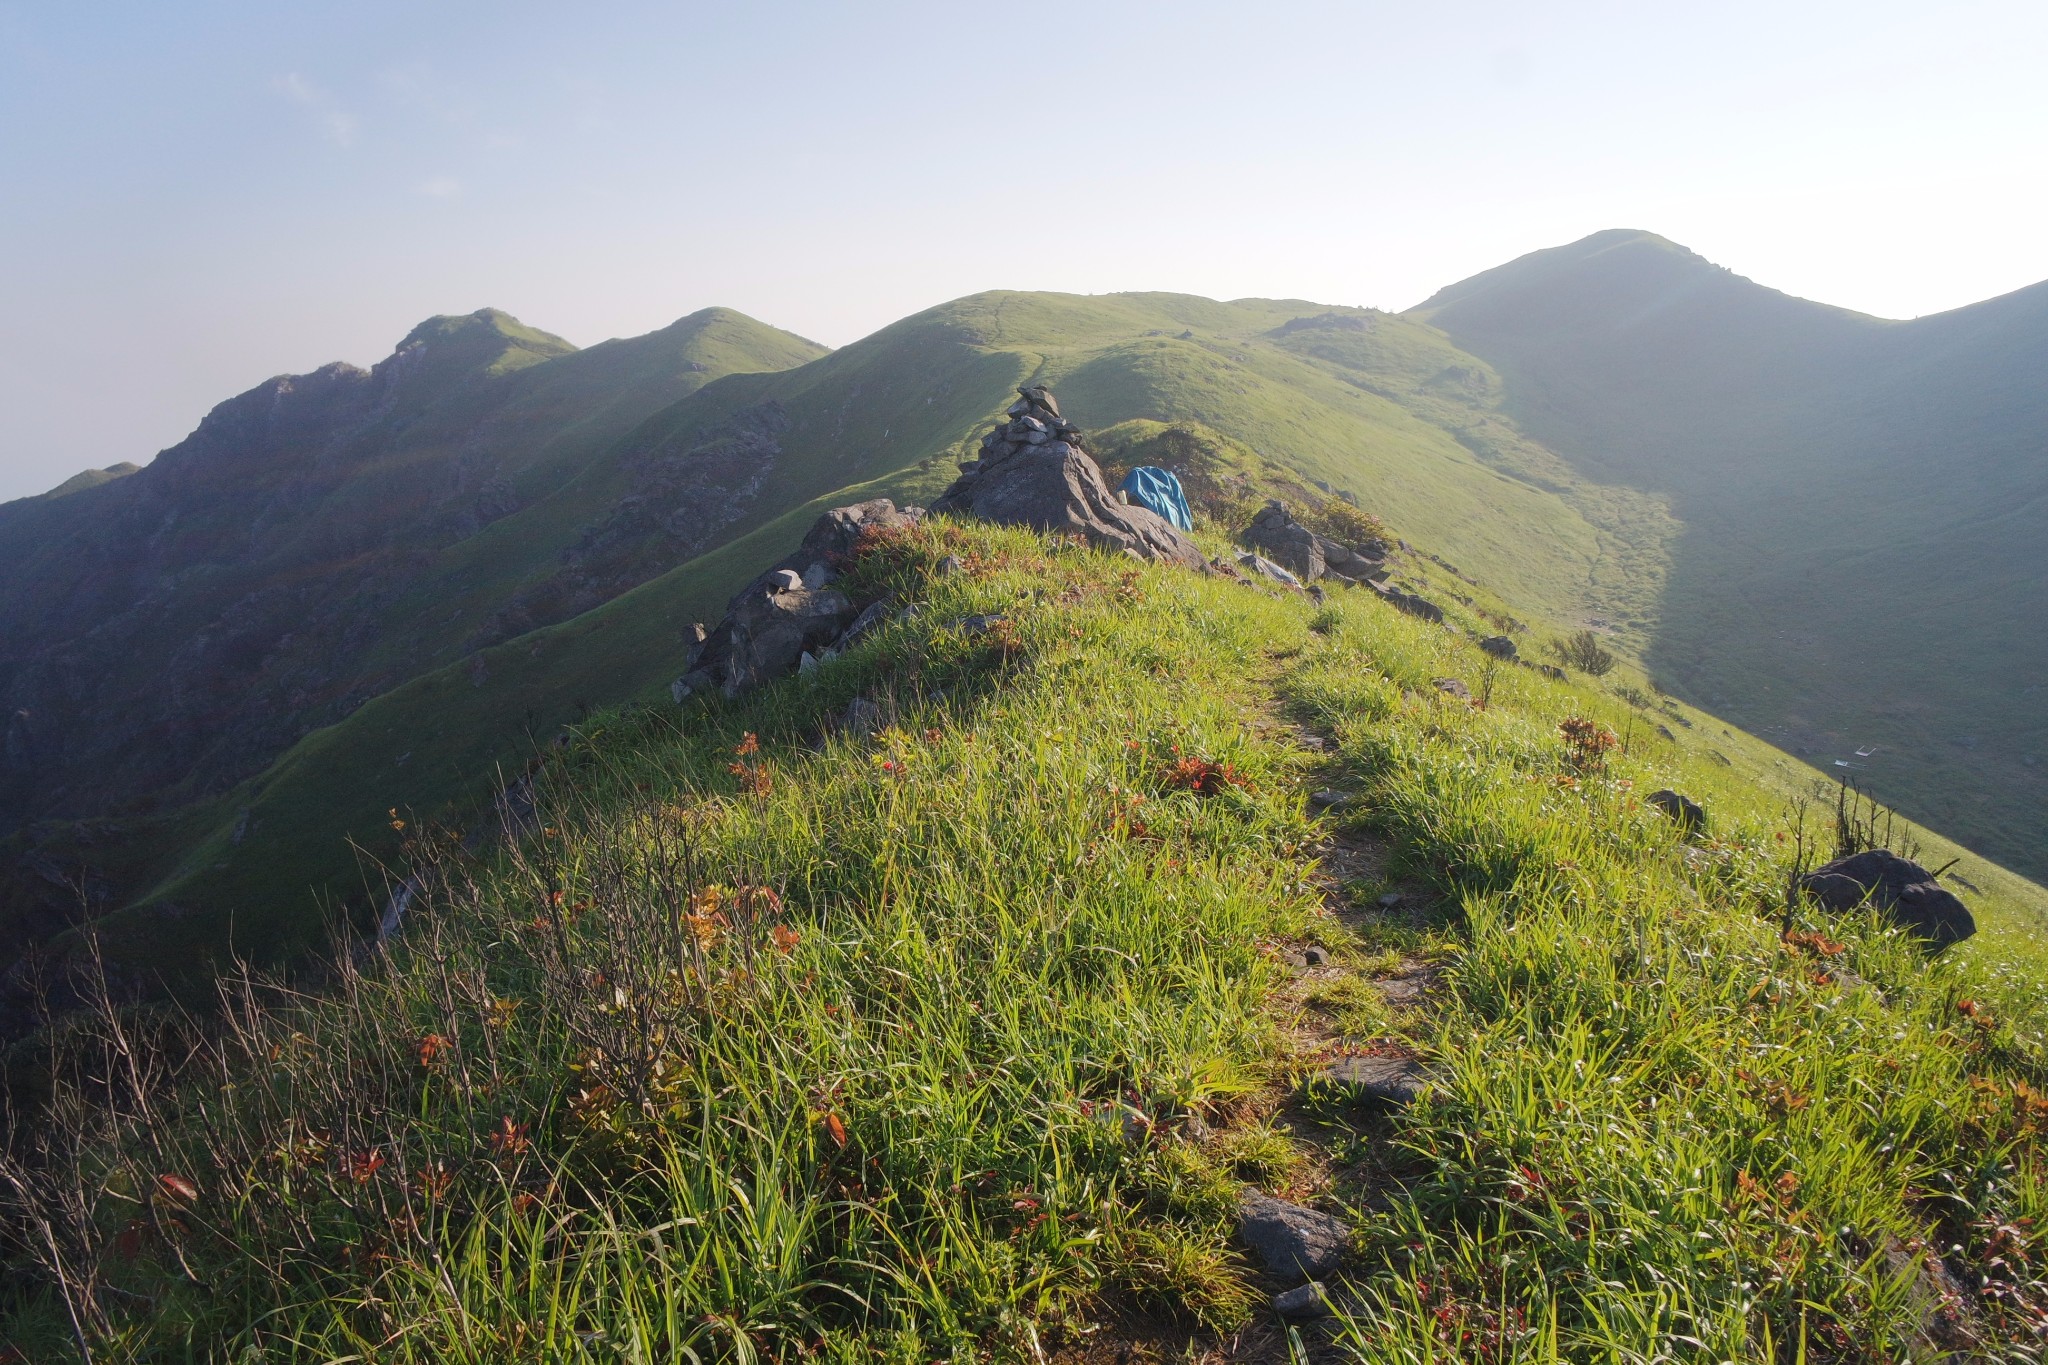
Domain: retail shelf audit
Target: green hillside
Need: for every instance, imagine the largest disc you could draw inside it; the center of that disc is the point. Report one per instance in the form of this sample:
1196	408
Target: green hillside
960	1035
1861	504
1376	406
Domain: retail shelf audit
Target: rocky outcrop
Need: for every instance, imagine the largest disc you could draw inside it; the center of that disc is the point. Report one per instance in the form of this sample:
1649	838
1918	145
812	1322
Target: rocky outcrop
1034	472
791	609
1407	601
1309	555
1906	892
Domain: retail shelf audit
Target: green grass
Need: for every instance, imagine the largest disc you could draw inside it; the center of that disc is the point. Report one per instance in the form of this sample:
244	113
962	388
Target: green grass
931	1098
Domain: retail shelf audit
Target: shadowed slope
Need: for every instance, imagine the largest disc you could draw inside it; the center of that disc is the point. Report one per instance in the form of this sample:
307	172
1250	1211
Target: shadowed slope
1863	501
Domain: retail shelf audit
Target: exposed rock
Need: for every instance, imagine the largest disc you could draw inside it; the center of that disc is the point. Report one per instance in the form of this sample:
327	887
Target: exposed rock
1302	1304
1553	671
1454	687
1389	901
1499	646
1409	602
1292	1241
1266	568
775	620
1689	815
1033	472
769	634
1905	891
1309	555
1395	1080
1328	798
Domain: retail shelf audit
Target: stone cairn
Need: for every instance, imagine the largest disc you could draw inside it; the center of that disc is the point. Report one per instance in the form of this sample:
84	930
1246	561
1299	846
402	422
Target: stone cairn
1034	471
1034	420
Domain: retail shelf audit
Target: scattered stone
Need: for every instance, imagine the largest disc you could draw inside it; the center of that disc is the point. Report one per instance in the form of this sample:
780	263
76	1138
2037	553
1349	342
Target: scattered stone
1552	671
863	716
1034	472
1905	891
785	580
951	564
818	575
1328	798
1395	1080
1409	602
1404	991
1303	1304
980	625
1315	957
1689	815
1665	731
1292	1241
1390	900
808	663
1499	646
1454	687
1312	743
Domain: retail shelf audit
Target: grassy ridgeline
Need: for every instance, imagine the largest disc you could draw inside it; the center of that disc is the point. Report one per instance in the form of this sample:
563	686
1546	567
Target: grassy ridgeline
775	1035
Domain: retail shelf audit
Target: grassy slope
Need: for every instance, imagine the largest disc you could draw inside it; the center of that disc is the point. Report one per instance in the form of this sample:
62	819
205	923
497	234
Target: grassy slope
1384	407
1862	503
933	1098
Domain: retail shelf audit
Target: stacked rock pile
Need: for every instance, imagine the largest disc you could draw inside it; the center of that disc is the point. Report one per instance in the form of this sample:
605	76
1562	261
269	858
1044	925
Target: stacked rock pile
1033	471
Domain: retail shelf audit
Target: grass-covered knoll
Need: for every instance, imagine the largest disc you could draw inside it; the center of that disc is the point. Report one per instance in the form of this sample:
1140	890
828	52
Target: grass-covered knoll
1861	502
777	1035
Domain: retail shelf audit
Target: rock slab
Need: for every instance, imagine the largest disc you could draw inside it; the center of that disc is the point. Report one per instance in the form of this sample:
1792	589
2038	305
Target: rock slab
1396	1080
1291	1241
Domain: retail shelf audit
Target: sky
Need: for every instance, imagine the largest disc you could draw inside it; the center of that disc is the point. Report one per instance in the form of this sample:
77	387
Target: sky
196	197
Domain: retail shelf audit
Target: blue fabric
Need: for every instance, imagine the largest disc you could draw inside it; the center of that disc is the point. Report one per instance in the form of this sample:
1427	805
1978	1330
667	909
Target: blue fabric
1156	490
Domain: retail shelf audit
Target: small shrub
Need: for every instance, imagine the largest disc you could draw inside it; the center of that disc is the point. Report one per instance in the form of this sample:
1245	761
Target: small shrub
1584	652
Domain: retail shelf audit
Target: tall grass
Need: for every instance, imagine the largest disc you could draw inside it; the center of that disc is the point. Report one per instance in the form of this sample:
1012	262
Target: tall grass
951	1034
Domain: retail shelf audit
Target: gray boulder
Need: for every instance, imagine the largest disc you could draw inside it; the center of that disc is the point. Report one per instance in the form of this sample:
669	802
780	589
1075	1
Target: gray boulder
1499	646
1291	1241
1309	555
1688	814
769	634
1454	687
782	614
1025	477
1905	891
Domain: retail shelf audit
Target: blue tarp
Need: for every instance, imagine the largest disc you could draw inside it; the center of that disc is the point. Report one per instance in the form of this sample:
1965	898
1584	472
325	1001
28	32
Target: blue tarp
1158	491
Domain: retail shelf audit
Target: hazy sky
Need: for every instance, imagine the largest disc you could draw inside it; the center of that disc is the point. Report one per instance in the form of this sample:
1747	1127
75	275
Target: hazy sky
196	196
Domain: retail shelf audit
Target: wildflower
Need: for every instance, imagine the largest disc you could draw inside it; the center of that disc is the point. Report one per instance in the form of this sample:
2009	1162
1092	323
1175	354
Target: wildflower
509	1138
784	938
431	1047
178	1187
434	1180
835	1130
750	744
396	823
498	1014
361	1167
